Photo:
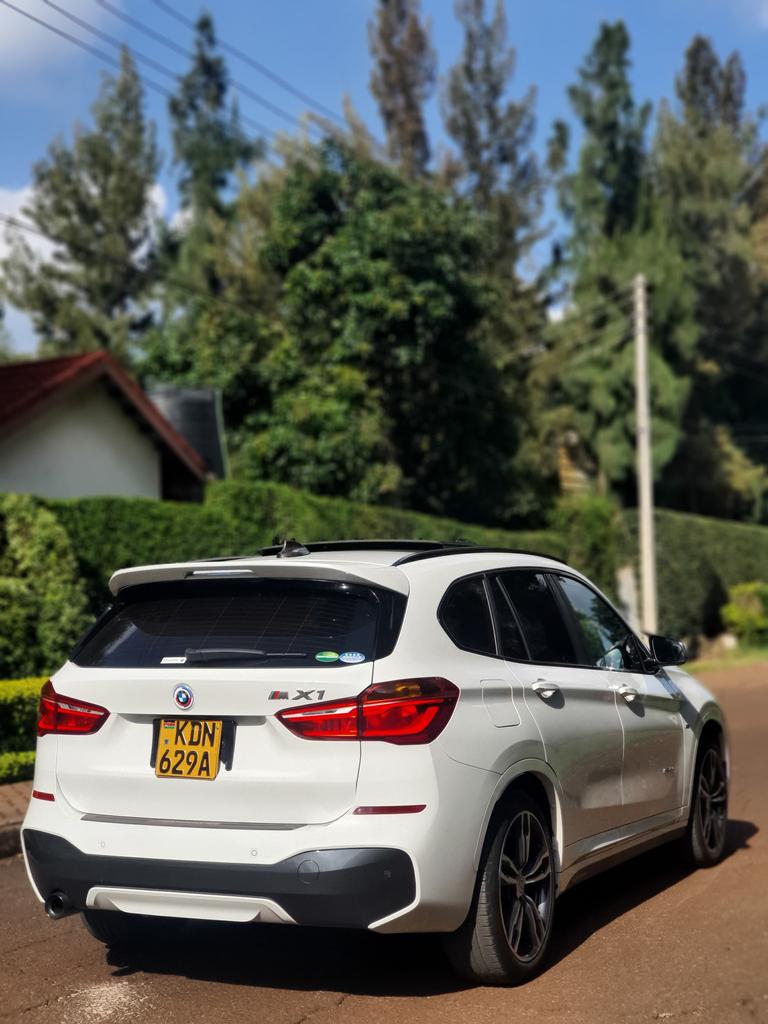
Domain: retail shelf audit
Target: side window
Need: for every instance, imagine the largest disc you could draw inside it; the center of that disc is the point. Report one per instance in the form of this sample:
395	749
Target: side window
539	615
606	640
511	639
466	617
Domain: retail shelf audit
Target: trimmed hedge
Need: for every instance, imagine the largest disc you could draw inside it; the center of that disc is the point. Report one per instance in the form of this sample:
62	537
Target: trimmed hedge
698	559
262	511
17	767
80	542
18	713
109	533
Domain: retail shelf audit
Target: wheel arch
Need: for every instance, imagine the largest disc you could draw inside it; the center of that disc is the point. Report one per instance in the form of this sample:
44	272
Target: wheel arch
538	781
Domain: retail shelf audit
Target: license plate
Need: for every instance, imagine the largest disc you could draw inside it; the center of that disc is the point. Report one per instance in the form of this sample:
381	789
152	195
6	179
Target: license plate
188	748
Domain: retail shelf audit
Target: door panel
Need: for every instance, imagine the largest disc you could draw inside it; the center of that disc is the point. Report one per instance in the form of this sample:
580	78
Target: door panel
574	708
647	705
581	733
653	745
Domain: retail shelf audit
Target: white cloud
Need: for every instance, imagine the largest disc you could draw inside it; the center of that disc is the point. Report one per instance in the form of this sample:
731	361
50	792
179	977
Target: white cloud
157	200
12	201
28	46
753	11
758	10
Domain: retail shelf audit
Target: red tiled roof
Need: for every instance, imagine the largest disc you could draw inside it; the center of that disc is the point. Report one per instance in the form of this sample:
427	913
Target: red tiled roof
27	388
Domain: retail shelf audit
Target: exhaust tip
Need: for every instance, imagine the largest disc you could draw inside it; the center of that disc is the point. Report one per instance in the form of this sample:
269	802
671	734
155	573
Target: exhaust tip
58	905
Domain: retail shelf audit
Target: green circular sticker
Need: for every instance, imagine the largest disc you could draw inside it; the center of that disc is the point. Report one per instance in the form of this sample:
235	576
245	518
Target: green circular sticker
326	656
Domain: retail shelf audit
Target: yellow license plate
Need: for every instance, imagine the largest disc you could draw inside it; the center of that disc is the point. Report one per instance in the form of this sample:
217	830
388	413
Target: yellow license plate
188	748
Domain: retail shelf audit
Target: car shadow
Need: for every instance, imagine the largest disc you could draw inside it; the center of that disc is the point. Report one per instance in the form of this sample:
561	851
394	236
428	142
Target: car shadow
591	905
364	963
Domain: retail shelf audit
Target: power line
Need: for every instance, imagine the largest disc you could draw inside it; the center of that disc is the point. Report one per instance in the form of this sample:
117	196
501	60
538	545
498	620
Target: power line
163	68
240	55
100	54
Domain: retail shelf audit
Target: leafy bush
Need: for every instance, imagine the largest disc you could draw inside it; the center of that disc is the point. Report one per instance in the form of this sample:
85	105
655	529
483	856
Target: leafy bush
17	767
746	613
42	597
593	535
18	713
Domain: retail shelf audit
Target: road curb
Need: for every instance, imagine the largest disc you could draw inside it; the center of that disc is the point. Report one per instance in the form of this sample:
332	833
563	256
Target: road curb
10	840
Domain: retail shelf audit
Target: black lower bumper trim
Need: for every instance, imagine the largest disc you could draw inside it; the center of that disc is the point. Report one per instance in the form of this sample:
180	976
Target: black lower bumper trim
348	888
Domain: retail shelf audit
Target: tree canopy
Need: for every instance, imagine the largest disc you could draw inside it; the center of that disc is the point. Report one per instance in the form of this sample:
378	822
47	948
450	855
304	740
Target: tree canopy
413	324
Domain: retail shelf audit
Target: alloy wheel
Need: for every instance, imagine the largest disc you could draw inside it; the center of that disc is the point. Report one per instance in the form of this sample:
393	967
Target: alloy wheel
526	890
713	798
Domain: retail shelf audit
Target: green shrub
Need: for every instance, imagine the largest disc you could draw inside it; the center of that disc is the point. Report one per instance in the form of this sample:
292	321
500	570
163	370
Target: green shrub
593	535
746	613
18	713
17	767
17	627
48	612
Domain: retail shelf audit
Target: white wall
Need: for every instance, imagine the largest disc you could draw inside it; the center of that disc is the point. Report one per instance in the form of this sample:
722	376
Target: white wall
84	445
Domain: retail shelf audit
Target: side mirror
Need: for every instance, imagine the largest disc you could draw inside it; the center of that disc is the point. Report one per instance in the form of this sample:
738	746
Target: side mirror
668	651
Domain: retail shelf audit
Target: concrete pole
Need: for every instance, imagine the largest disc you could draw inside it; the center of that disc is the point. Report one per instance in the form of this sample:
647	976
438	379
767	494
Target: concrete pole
644	467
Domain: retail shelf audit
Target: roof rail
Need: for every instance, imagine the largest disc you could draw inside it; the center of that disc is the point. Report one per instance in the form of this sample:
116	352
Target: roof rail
462	550
367	545
341	545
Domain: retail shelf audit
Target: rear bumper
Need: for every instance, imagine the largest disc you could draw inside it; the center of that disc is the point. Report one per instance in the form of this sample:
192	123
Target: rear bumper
347	888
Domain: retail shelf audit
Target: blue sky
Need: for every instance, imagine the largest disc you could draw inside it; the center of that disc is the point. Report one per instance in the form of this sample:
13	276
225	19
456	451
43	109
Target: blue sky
46	84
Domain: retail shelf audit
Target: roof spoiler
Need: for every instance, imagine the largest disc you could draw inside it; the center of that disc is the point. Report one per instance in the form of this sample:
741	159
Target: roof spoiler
310	569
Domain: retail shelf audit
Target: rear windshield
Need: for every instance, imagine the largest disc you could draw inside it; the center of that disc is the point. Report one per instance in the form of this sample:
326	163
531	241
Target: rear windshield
241	623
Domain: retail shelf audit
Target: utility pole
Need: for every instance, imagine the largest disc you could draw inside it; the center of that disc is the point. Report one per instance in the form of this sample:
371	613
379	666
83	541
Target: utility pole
644	467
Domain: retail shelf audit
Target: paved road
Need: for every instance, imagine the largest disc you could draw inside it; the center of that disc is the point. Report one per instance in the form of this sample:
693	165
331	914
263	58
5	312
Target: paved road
645	942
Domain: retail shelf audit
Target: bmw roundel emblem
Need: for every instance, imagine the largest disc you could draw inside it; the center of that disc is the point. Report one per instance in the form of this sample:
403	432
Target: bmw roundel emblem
183	697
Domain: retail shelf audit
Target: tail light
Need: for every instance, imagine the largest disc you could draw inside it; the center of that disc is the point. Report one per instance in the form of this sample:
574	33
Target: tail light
59	714
404	711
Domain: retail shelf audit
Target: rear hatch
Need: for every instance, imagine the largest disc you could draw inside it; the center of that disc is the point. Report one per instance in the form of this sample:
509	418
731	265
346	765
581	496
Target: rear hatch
230	651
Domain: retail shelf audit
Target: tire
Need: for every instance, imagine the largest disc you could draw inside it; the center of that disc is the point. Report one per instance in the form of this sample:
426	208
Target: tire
504	938
115	928
704	842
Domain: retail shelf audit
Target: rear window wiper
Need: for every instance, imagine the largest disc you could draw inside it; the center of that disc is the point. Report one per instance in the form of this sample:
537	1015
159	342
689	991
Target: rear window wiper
201	655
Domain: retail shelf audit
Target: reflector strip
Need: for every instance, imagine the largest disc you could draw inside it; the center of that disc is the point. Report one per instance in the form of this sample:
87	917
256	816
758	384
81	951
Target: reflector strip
38	794
392	809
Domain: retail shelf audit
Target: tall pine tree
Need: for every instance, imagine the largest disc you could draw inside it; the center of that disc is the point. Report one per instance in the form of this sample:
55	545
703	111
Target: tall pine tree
709	173
402	80
92	198
496	170
209	145
207	335
615	232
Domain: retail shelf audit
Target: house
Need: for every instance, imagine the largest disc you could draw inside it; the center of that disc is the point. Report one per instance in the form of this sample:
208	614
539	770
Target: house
80	425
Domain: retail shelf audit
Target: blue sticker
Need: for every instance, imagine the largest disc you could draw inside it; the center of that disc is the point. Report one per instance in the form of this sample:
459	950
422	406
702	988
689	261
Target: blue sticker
352	657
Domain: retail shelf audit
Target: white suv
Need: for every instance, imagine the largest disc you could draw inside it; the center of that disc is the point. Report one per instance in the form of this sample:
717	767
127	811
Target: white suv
395	735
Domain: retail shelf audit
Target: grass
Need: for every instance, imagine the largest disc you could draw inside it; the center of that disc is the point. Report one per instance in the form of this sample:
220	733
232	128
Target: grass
739	656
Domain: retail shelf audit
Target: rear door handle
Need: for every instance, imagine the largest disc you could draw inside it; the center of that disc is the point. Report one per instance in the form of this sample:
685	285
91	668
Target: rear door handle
544	689
629	693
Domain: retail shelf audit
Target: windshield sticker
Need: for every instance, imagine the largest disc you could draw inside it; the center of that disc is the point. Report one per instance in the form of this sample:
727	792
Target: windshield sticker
352	657
174	661
326	656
